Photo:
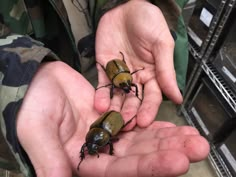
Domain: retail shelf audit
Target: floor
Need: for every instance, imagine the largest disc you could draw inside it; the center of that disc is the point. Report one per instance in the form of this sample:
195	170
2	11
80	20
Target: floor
167	112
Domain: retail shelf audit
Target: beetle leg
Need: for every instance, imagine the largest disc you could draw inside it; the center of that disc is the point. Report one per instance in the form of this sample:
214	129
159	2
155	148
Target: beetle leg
97	154
103	86
111	148
111	91
137	70
114	138
82	155
102	66
136	91
129	121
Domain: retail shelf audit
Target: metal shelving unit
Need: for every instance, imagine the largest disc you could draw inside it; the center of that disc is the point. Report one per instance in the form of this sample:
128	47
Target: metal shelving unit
214	157
203	66
220	27
211	40
197	70
212	28
218	81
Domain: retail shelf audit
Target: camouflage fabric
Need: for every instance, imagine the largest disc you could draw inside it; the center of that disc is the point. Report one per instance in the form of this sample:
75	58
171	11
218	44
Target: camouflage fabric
21	22
32	31
20	57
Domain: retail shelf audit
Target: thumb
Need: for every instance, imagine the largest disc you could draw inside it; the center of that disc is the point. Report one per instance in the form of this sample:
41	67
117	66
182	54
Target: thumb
41	142
102	94
163	52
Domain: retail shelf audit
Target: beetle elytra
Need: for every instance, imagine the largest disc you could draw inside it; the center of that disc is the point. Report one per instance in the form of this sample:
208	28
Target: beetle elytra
120	76
103	132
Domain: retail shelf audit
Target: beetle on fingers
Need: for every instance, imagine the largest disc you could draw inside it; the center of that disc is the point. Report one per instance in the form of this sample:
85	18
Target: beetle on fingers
103	132
120	76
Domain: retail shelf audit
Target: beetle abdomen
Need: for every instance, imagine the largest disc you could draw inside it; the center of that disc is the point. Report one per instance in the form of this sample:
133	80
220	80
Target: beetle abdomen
110	121
113	123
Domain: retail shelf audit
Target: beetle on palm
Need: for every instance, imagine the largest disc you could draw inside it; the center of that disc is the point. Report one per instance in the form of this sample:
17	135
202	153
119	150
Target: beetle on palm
120	76
103	132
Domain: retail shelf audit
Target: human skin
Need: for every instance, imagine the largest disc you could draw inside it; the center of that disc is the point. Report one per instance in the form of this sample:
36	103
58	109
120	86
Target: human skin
60	105
138	30
56	114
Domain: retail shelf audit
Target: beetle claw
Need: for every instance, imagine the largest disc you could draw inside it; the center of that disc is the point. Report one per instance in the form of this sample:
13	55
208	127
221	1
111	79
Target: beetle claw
141	100
103	132
79	164
137	70
103	86
97	154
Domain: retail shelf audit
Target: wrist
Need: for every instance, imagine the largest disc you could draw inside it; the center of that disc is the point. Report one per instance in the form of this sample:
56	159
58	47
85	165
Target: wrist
104	7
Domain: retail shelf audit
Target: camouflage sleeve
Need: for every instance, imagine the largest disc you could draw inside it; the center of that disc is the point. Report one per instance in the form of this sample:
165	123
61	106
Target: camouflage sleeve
20	56
98	8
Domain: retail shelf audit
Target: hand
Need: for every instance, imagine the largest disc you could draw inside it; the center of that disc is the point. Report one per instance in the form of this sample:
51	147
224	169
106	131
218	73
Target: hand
139	30
56	114
54	118
161	149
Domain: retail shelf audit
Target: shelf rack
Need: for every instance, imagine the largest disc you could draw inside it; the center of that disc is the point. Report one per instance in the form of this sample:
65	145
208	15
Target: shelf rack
202	65
220	84
214	157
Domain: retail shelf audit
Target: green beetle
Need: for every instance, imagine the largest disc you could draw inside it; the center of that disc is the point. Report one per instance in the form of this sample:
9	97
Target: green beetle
102	132
120	76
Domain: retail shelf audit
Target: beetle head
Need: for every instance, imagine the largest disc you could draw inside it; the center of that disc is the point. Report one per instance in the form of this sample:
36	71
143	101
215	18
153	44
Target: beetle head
92	148
126	86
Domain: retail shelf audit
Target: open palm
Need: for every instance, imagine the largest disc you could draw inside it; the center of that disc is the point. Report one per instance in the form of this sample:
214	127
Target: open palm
56	114
139	30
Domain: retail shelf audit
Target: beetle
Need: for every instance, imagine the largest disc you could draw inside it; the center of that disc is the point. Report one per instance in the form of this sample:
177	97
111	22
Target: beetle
103	132
120	76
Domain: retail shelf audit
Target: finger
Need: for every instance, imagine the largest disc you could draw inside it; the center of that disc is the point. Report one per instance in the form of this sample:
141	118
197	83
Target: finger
117	100
155	164
102	95
173	131
139	134
165	132
194	147
93	166
130	107
163	50
45	143
157	125
150	104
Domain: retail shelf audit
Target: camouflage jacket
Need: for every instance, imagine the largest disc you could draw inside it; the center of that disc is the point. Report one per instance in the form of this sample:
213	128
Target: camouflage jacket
35	30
